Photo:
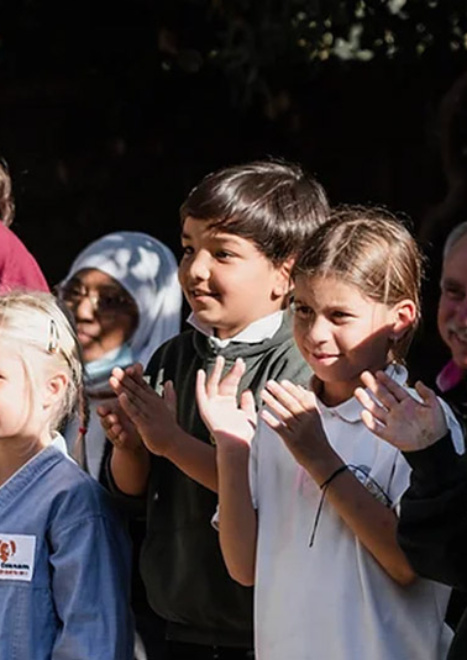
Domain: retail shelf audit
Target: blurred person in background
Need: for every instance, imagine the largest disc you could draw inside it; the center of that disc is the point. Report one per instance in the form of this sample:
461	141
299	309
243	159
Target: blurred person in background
18	268
123	293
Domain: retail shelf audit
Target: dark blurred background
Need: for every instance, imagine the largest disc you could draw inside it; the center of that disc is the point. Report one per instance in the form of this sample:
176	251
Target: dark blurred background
111	112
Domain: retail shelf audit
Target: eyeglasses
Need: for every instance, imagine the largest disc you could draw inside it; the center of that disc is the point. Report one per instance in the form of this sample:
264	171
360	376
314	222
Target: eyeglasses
104	302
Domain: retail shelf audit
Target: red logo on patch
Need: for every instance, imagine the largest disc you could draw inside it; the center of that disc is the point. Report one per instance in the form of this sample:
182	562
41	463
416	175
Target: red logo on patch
7	550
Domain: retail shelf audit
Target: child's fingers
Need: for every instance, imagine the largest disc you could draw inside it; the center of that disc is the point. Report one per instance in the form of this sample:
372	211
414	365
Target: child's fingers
276	406
113	419
107	421
170	397
115	431
287	399
135	370
247	404
103	411
228	386
109	407
130	408
135	374
120	440
306	397
212	383
118	373
120	381
133	384
114	383
370	405
274	423
200	389
137	390
112	427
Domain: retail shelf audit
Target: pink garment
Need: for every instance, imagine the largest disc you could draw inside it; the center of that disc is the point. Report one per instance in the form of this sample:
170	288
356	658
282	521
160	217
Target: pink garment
18	268
449	376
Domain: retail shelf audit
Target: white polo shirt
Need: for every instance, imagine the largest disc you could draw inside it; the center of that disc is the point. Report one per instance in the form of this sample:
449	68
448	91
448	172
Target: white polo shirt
333	601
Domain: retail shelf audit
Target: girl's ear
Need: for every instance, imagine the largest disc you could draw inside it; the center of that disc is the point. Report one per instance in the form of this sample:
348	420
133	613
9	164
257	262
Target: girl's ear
405	315
284	283
55	388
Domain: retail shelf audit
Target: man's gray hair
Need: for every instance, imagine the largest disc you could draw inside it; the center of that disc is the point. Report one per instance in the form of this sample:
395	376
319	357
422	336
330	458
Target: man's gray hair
454	237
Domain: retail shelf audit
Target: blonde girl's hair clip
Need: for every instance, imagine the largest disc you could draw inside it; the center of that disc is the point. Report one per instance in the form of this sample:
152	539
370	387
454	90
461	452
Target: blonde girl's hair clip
52	345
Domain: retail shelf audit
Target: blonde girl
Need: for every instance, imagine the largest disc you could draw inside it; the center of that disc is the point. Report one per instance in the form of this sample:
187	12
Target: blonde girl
314	525
64	556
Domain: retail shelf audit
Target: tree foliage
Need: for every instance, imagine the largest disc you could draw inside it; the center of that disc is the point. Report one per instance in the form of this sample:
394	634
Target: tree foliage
252	44
97	97
255	42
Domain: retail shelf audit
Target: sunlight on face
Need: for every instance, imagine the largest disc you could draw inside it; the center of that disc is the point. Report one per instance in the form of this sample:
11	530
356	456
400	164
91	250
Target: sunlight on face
226	280
340	333
20	395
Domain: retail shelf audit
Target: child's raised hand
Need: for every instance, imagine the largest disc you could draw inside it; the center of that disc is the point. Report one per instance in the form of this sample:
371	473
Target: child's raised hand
218	407
152	416
395	416
295	417
119	429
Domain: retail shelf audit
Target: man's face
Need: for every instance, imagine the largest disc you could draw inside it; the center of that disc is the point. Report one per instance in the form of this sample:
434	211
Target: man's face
452	309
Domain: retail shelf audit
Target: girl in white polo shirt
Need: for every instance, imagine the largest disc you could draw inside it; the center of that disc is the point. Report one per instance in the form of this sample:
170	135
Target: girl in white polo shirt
308	510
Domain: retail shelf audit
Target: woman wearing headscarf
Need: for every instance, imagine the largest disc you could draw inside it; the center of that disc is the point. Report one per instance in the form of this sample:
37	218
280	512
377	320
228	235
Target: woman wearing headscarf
124	295
125	298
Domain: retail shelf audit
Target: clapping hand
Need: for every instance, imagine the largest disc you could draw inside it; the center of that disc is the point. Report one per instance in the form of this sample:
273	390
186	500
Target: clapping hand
118	427
394	415
293	413
151	416
227	420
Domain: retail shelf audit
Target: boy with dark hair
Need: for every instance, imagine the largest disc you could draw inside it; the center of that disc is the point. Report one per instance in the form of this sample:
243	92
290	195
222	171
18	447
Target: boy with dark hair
242	228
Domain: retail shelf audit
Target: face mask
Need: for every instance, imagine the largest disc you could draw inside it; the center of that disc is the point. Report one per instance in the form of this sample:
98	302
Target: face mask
98	371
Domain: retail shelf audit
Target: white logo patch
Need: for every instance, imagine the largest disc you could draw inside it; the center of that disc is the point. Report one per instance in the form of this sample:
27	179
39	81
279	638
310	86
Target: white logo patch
17	556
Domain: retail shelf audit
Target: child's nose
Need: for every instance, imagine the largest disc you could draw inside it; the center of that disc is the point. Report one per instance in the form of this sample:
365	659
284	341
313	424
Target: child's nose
199	267
318	330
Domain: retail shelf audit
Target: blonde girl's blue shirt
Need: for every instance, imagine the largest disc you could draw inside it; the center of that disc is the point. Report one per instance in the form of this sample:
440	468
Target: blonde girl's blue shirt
64	566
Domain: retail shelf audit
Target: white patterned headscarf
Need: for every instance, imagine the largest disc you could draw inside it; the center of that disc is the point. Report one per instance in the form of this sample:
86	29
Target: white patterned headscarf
147	269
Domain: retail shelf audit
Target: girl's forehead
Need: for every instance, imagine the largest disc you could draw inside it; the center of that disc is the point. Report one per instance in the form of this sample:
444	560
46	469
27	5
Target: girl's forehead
325	283
11	355
19	351
329	290
9	345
